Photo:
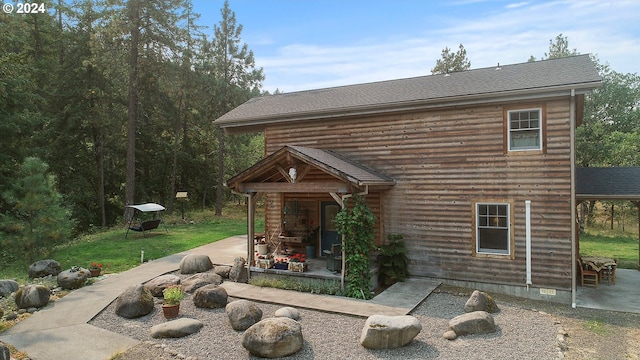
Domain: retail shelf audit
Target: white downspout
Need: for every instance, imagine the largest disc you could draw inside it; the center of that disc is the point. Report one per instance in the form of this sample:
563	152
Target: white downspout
572	124
527	215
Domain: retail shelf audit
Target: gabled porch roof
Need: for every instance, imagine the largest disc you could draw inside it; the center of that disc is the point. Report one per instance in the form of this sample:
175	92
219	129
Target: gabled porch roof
315	170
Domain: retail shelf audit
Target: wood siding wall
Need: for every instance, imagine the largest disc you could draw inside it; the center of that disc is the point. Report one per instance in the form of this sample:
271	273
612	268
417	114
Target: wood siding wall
444	161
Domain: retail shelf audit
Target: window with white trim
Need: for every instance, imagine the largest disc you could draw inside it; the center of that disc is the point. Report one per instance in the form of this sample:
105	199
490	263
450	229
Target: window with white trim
525	129
492	228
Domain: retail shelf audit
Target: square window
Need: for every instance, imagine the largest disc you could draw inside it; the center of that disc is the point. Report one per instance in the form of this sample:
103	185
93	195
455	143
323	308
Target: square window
493	229
525	130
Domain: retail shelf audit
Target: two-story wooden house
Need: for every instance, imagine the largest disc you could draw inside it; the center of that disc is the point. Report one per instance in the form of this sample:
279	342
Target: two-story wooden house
474	168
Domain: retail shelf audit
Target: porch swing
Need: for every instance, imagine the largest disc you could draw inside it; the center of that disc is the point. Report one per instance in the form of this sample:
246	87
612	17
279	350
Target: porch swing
138	225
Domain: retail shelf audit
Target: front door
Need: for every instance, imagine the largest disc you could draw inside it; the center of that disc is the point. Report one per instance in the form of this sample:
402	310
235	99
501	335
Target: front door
329	234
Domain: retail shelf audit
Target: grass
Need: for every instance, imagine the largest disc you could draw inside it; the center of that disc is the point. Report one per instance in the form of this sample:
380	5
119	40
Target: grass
596	325
625	249
117	253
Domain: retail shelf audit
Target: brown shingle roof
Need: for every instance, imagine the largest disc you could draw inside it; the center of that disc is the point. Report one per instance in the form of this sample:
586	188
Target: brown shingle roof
326	160
577	72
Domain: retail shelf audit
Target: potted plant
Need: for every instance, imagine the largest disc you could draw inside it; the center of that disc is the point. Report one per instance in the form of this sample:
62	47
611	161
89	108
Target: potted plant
95	269
280	264
298	263
173	295
393	261
310	240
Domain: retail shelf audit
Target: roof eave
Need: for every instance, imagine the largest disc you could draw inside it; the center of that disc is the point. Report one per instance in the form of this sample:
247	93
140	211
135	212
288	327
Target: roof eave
257	124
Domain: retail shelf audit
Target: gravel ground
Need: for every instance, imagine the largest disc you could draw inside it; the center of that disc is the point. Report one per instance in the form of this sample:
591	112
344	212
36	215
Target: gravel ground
524	332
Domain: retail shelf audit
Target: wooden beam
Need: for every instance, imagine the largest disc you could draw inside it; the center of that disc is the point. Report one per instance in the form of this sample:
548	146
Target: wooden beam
338	199
302	172
302	187
284	173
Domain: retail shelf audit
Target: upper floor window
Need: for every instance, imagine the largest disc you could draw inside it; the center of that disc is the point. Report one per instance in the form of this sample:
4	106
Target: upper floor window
525	129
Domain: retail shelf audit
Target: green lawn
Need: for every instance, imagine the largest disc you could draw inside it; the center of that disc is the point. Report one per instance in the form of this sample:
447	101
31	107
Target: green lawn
621	247
117	253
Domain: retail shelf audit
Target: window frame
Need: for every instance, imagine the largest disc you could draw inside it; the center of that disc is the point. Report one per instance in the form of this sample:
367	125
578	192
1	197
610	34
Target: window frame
541	128
509	216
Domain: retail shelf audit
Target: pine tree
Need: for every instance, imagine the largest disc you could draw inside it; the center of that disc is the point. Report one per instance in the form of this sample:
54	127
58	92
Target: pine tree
37	220
451	62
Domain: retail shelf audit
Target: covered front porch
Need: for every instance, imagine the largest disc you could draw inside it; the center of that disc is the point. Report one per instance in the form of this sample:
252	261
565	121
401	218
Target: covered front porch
617	184
303	189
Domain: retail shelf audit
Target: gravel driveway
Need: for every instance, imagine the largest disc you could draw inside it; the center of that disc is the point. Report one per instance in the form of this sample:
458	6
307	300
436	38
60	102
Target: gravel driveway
526	330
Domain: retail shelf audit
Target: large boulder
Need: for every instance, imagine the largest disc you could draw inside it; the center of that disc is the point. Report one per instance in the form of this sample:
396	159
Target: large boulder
238	273
194	263
176	328
222	270
210	297
158	284
288	311
32	296
273	337
477	322
7	287
73	278
242	314
44	268
195	281
480	301
389	332
135	301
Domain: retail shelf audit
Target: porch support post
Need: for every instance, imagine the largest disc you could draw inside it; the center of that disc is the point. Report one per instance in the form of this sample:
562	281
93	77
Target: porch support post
251	211
572	202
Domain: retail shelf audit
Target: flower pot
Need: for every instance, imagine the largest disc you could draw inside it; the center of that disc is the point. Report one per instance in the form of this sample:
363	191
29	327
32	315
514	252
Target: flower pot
170	311
263	249
280	266
94	272
298	266
311	252
265	263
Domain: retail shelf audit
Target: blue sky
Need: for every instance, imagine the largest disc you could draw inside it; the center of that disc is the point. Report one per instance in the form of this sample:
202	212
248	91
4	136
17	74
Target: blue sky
310	44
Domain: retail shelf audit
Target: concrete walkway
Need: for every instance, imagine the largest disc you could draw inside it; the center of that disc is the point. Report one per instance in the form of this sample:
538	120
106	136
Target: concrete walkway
61	330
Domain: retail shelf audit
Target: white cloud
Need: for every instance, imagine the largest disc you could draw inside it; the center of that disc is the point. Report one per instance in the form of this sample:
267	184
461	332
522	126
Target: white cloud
510	35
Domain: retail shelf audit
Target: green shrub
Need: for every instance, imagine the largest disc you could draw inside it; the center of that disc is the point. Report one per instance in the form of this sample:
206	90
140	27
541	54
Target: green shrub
356	225
392	261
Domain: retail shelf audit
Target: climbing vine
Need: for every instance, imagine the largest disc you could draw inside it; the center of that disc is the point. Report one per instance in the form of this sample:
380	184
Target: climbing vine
355	222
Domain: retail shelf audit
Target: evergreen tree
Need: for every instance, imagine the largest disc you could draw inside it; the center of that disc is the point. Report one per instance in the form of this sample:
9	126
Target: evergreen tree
231	79
37	220
452	62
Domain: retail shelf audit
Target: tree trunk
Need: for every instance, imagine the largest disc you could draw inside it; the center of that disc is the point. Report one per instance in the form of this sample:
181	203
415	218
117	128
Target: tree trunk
219	201
130	181
101	201
174	166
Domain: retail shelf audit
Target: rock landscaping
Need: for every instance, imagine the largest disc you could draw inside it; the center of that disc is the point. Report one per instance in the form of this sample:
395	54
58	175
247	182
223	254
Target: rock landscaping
210	296
243	314
282	335
73	278
44	268
389	332
176	328
194	263
134	302
273	337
